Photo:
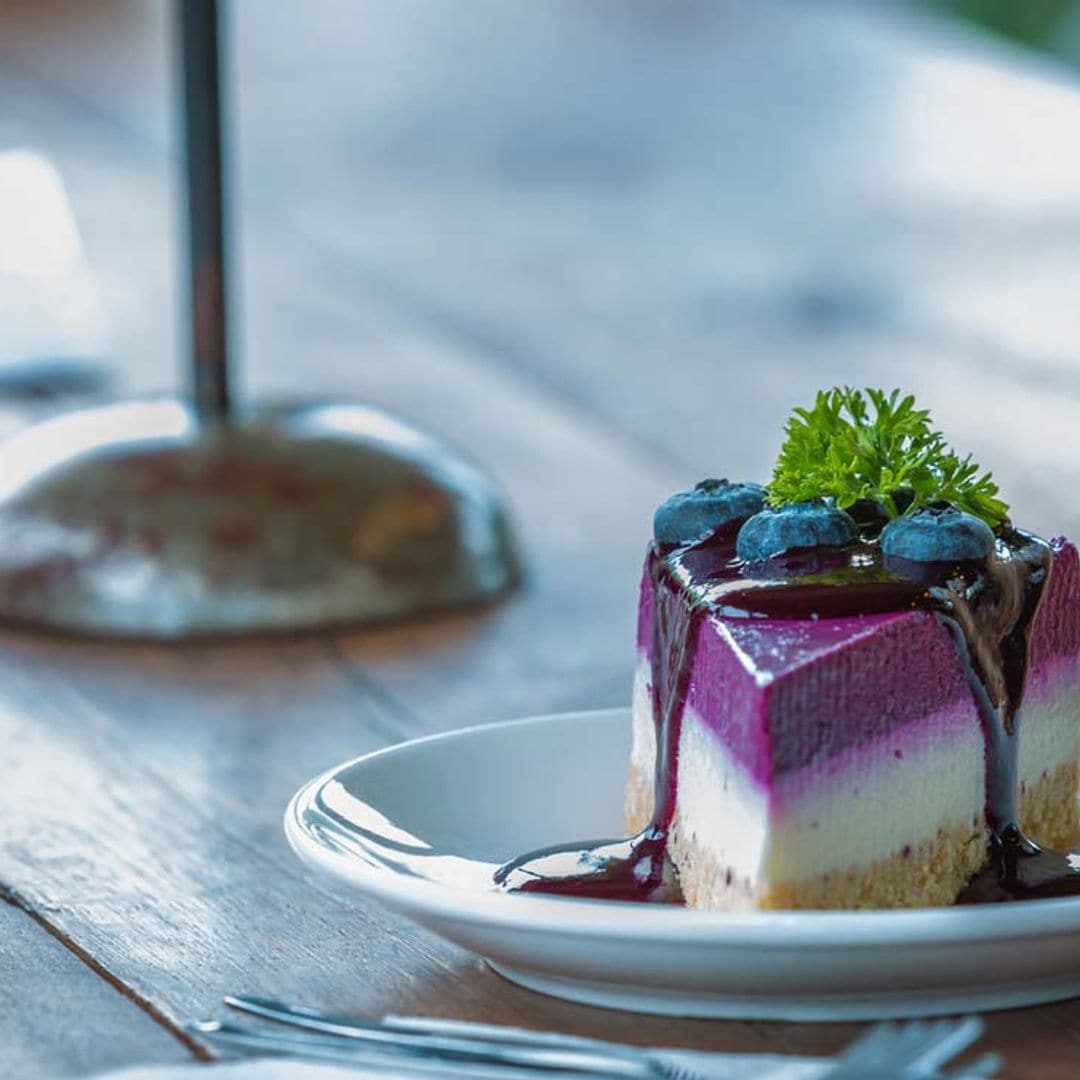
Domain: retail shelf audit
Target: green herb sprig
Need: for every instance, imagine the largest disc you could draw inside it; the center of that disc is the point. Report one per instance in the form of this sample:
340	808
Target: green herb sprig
853	445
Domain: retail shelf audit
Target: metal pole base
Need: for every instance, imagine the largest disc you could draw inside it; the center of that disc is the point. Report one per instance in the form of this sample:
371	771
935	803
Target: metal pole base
135	520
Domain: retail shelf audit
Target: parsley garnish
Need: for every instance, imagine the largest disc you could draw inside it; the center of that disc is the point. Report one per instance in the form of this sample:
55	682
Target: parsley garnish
838	450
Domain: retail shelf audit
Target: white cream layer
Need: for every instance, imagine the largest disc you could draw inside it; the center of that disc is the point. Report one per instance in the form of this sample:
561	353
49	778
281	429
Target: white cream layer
864	804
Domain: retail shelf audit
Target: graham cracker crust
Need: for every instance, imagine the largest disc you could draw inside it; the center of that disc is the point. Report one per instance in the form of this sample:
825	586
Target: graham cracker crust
928	875
1048	808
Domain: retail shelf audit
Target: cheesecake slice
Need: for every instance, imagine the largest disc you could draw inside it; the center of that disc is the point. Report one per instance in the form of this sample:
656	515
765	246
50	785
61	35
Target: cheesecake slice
840	762
857	687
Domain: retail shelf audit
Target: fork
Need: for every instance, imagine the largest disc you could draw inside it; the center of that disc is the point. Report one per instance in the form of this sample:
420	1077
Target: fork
912	1050
449	1057
915	1049
396	1029
442	1047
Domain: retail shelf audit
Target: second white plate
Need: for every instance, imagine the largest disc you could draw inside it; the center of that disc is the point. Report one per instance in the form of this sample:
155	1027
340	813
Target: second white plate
421	827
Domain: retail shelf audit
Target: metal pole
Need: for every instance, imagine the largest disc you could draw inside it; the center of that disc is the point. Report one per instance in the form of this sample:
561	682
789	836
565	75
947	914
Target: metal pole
199	29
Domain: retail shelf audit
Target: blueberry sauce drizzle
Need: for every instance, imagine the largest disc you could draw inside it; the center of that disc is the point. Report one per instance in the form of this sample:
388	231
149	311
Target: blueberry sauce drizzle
637	868
987	606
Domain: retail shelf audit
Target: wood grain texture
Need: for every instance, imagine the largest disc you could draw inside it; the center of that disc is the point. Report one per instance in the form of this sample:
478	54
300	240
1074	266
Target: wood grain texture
44	986
157	745
601	285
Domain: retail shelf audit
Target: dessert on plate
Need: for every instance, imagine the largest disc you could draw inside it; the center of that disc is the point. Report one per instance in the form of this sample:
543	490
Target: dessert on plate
858	686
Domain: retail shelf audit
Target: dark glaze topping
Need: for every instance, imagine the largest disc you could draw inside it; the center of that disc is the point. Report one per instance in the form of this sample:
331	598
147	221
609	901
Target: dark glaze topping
988	607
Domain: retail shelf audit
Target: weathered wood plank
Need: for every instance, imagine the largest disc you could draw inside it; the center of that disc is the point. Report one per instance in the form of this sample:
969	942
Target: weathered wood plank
240	728
171	877
43	988
165	859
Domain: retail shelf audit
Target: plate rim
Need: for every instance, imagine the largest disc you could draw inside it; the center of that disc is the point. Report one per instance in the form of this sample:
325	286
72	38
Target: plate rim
609	918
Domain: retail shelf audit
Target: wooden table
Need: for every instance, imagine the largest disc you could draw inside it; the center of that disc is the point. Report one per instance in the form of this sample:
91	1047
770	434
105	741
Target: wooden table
602	245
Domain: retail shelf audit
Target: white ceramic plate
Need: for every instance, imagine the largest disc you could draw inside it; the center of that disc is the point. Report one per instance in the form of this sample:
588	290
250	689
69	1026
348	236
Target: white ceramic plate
421	826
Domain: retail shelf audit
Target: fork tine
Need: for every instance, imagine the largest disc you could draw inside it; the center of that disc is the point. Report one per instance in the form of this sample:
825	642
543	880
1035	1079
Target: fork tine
950	1040
866	1048
912	1039
908	1044
983	1068
915	1049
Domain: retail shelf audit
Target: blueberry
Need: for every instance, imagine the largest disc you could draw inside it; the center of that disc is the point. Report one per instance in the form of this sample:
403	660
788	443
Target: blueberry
937	534
691	515
798	525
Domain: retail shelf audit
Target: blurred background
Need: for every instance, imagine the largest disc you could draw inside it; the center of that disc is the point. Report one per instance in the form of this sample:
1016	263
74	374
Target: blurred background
621	237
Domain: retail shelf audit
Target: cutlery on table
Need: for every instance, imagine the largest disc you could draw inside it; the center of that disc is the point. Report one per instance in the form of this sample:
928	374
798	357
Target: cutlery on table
437	1047
433	1033
938	1043
914	1049
449	1057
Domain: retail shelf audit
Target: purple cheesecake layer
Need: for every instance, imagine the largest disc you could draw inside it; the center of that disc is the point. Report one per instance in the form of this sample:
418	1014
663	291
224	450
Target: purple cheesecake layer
1056	632
840	775
1054	676
784	694
906	667
1057	679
